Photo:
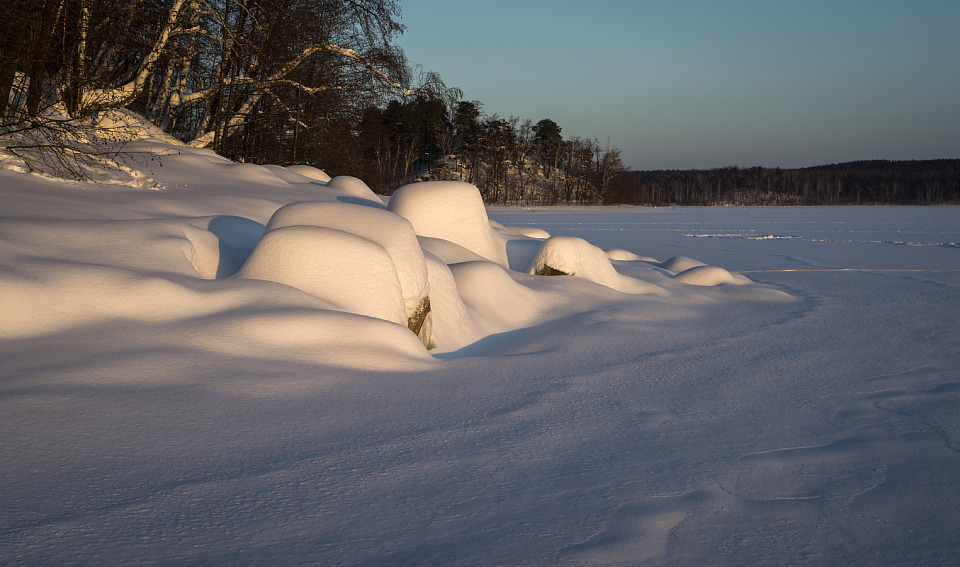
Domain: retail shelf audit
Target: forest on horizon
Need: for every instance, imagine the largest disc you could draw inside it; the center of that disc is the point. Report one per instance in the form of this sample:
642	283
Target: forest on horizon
873	182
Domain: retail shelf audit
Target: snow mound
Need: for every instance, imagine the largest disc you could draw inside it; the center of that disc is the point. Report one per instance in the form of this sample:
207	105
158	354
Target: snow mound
626	255
258	174
310	172
353	190
708	276
288	176
449	252
529	231
348	272
449	210
452	325
568	255
678	264
392	232
329	339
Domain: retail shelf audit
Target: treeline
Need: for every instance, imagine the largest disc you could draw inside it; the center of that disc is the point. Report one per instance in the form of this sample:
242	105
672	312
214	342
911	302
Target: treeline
320	82
276	81
255	80
511	160
854	183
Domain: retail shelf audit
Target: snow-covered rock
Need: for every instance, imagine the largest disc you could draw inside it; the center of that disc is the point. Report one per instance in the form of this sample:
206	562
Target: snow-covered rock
348	272
705	275
567	255
449	210
393	232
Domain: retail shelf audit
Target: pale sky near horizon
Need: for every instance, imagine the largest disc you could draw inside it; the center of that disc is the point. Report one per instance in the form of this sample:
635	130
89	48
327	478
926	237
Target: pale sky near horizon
699	84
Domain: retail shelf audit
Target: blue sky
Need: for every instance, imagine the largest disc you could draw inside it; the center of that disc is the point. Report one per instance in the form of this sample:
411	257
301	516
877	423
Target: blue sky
690	84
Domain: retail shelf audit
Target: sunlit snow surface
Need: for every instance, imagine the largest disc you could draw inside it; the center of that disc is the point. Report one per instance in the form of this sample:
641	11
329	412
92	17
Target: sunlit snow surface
156	409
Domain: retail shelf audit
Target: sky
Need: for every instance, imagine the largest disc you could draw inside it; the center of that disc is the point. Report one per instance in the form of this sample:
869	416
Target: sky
692	84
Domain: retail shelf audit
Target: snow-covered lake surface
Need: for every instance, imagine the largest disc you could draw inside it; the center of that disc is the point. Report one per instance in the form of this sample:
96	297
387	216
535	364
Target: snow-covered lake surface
152	414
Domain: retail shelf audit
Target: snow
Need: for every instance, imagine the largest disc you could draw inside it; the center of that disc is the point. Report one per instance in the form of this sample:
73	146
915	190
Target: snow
626	255
450	210
531	231
577	257
349	272
391	232
185	381
678	264
708	275
310	172
354	191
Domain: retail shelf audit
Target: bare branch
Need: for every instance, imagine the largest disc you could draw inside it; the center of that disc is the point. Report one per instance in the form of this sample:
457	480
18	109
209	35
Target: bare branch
117	97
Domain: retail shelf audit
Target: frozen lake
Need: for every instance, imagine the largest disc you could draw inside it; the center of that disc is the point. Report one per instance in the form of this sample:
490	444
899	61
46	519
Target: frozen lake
829	236
828	437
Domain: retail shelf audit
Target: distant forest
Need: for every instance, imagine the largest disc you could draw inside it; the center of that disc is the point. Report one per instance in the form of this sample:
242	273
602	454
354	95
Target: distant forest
922	182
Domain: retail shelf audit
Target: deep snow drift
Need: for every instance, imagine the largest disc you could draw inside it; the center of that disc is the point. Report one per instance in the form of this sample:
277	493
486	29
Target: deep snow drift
194	370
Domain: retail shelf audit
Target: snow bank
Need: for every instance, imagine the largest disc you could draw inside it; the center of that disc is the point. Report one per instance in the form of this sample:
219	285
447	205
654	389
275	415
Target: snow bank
520	249
211	355
83	272
627	256
449	252
449	210
352	190
220	245
310	172
496	301
125	126
678	264
529	231
705	275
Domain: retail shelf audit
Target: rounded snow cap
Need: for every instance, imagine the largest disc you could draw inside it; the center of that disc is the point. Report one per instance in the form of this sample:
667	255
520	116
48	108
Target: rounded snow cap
569	255
706	276
310	172
393	232
348	272
449	210
353	190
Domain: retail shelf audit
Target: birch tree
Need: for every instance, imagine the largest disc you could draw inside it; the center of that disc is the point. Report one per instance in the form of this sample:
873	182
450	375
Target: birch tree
199	68
285	56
